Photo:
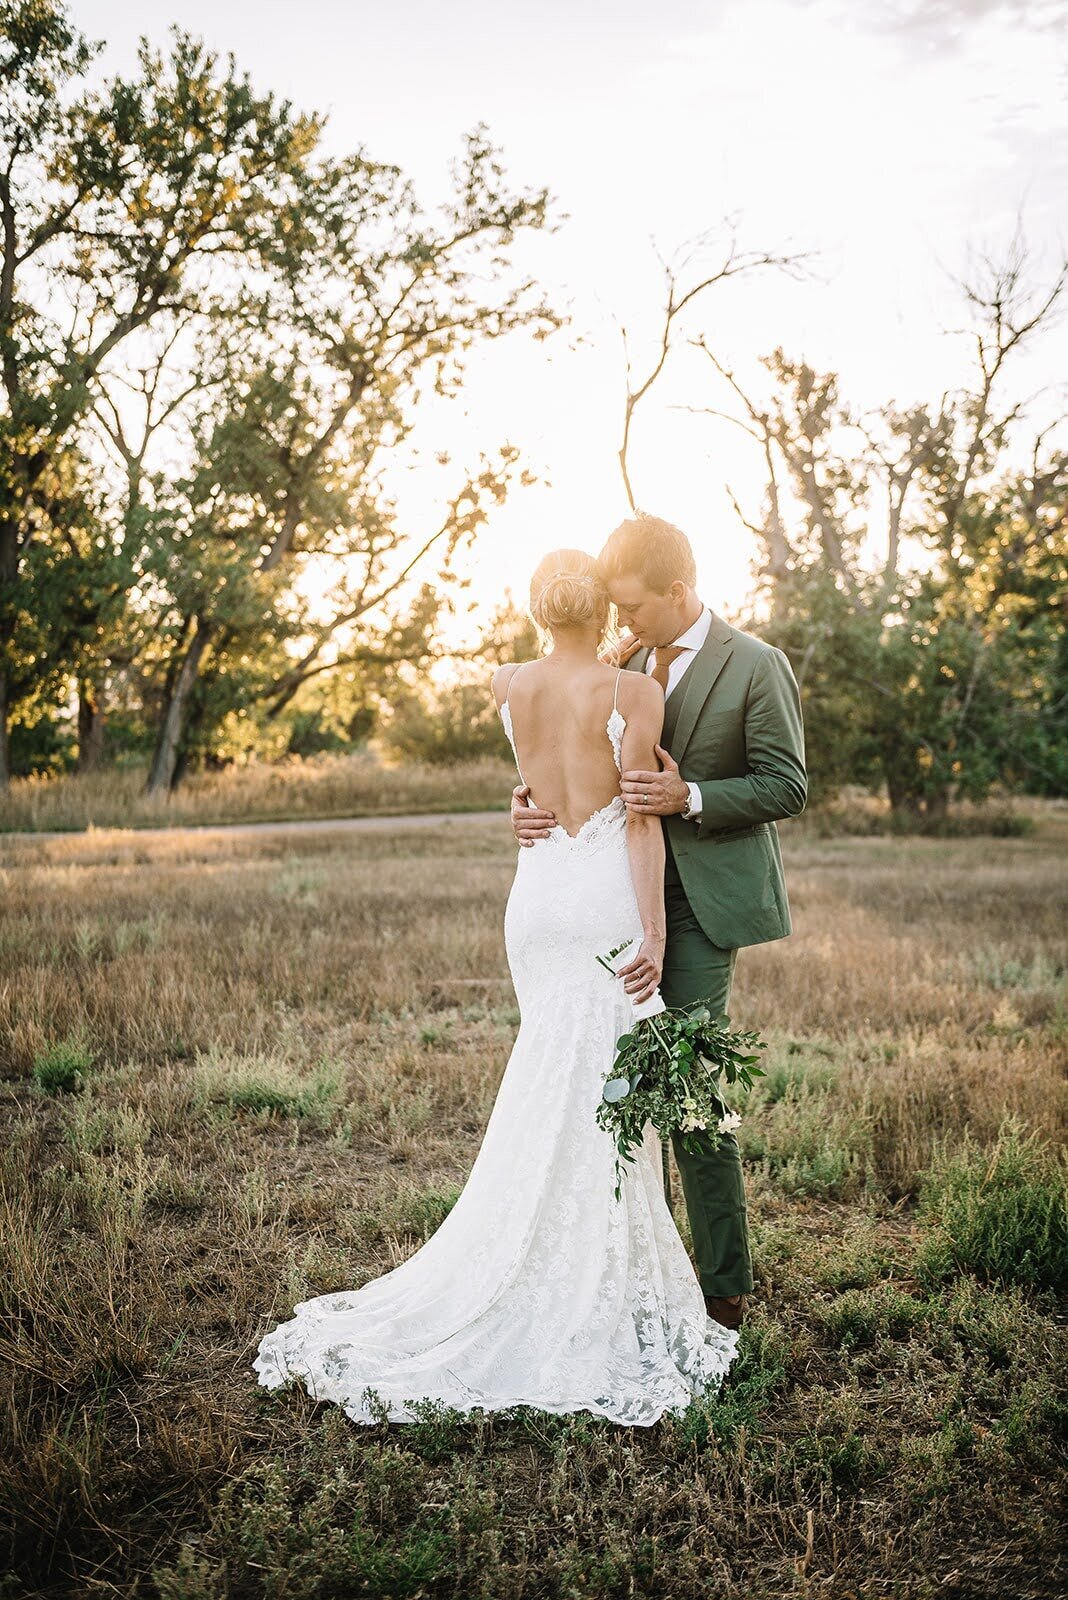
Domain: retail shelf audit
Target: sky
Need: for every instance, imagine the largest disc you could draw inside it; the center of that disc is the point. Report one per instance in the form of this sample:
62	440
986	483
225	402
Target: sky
891	139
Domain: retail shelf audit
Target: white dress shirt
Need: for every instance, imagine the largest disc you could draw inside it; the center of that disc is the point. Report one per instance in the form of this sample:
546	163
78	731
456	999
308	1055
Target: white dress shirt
689	642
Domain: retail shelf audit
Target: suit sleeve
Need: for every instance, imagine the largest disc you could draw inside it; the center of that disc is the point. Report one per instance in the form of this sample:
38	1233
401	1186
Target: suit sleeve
776	784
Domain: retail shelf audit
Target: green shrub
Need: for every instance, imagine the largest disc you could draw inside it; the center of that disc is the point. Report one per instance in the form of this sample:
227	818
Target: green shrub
1001	1214
422	1213
63	1066
858	1257
269	1086
259	1094
860	1316
309	1537
808	1145
758	1371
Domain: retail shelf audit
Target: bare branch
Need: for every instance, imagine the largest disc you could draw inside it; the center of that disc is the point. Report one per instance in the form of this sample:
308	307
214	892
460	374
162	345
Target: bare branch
734	262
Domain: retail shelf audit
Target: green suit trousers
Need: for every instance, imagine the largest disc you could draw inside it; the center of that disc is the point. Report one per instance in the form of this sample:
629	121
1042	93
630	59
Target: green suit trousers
696	969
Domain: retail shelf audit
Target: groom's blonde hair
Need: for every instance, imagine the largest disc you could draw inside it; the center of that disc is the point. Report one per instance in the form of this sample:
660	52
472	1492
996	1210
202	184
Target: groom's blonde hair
567	591
651	549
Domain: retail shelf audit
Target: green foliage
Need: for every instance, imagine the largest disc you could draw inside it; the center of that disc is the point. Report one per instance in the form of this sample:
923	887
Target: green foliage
673	1070
808	1143
860	1316
41	746
319	1525
264	1095
283	310
256	1094
948	679
1001	1214
443	726
839	1452
63	1066
270	1088
459	721
423	1213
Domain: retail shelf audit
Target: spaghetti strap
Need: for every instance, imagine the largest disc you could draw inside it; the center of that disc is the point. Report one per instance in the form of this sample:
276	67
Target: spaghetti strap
615	697
519	667
506	718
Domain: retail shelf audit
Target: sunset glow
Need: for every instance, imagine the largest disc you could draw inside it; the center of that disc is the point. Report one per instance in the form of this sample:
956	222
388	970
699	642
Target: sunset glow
887	140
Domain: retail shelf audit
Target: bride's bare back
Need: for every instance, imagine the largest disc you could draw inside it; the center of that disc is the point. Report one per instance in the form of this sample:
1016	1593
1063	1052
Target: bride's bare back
559	713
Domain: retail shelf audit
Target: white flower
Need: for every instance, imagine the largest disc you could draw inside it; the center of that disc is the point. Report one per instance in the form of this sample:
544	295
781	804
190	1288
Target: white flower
730	1122
689	1123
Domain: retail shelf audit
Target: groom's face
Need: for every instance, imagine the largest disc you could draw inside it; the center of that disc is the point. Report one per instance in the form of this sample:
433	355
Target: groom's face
653	617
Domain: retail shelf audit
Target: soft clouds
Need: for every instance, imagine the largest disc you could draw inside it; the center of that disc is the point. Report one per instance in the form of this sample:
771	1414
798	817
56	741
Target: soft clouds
945	23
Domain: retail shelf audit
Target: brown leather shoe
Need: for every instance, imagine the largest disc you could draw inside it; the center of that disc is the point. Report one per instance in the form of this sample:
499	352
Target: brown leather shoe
727	1310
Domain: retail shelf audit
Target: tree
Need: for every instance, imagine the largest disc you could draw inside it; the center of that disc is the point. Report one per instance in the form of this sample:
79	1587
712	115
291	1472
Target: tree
356	321
116	208
458	720
924	678
248	325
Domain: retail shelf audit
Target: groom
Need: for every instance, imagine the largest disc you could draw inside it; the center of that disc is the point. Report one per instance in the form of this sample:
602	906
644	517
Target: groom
733	761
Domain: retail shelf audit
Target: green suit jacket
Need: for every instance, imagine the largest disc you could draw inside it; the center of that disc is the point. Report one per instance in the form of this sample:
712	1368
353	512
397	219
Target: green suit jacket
733	724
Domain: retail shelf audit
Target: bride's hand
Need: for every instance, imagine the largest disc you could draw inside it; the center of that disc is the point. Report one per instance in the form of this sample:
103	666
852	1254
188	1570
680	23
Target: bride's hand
619	654
642	975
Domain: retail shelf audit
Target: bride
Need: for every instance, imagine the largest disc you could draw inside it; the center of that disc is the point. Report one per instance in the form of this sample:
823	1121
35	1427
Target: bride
540	1288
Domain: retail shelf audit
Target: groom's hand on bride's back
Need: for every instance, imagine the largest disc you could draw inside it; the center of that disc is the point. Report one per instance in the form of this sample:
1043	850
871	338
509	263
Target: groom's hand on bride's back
528	823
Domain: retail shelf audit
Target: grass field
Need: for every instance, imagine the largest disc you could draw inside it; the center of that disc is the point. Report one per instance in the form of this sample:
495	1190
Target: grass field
239	1072
328	786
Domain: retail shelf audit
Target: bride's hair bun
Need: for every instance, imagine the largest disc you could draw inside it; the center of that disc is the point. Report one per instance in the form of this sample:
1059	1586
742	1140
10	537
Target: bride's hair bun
566	591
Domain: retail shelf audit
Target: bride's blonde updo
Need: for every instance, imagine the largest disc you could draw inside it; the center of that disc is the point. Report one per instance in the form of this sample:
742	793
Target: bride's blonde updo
566	592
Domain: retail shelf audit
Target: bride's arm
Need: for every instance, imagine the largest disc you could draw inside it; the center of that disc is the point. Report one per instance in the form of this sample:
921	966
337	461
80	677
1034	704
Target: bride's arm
645	836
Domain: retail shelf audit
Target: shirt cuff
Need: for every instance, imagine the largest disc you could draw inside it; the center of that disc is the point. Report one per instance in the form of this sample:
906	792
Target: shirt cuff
693	809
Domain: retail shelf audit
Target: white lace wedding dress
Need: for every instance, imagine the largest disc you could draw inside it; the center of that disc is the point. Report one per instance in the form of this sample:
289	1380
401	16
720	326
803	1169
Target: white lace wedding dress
539	1288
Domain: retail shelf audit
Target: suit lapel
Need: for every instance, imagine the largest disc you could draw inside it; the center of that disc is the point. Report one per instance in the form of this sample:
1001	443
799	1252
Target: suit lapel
696	683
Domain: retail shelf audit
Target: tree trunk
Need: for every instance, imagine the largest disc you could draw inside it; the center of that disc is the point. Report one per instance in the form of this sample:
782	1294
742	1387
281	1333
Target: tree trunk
9	570
936	808
91	725
5	759
904	801
168	743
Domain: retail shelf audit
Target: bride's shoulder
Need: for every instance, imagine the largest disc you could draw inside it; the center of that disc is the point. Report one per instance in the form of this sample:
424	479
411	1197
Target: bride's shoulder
637	690
640	700
502	676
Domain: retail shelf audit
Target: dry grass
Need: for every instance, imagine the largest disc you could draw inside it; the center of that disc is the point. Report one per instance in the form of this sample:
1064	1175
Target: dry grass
283	1053
329	786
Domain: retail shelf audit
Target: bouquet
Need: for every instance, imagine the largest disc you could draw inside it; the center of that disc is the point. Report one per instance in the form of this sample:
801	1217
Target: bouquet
670	1070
